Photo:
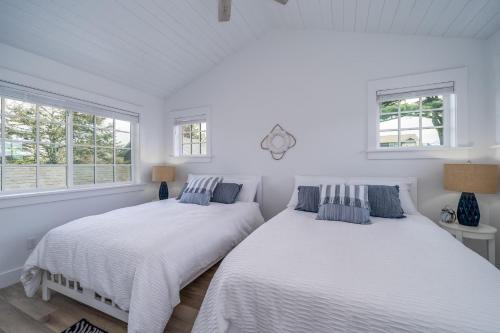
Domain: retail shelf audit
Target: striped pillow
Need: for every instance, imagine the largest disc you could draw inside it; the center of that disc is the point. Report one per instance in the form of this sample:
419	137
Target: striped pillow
347	195
202	199
182	191
347	203
202	184
351	214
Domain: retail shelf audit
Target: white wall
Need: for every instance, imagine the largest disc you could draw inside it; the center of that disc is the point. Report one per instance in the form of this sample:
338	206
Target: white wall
314	84
18	224
494	53
494	62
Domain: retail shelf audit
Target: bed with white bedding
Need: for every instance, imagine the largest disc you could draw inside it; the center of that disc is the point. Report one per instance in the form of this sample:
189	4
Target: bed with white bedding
140	257
298	274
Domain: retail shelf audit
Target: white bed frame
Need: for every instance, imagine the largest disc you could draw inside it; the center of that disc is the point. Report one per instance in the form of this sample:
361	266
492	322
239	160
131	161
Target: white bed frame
73	289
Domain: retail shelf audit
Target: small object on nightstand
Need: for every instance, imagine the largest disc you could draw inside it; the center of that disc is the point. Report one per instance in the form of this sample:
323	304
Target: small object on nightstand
448	215
482	231
469	179
163	174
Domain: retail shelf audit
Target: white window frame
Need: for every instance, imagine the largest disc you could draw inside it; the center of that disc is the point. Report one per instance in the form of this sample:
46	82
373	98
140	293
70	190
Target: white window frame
190	115
14	91
456	132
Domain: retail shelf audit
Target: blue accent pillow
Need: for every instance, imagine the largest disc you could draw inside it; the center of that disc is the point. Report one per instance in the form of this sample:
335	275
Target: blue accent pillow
182	191
202	199
338	212
384	201
226	193
308	199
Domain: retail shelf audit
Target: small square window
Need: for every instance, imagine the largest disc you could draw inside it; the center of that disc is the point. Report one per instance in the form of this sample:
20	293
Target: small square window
422	115
191	130
193	139
412	122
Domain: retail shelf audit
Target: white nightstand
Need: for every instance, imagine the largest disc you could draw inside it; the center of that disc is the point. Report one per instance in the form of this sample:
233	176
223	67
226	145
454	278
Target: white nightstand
482	231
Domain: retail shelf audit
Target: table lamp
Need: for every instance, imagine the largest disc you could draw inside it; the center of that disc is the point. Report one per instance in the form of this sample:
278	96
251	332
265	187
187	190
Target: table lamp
163	174
469	179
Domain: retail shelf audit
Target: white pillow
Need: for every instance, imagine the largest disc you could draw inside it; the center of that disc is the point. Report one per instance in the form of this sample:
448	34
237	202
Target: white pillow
407	202
404	184
248	190
311	181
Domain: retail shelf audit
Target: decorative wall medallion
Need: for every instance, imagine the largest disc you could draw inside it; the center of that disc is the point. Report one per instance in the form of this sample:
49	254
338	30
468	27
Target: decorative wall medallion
278	141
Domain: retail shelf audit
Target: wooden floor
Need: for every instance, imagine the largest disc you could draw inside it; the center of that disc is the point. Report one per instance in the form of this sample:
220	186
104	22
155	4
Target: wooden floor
20	314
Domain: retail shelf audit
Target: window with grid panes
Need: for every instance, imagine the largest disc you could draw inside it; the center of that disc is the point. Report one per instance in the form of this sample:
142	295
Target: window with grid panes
102	150
38	152
194	139
412	122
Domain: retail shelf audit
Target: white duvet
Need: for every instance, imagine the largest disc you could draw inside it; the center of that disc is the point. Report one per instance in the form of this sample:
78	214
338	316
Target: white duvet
141	256
297	274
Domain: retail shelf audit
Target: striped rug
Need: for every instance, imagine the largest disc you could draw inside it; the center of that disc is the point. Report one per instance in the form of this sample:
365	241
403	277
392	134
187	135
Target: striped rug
83	326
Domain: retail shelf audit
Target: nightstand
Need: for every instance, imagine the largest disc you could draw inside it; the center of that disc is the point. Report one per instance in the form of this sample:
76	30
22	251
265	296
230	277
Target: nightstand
482	231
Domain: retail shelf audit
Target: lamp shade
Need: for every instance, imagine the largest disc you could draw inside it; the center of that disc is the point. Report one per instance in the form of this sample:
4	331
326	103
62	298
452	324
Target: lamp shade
471	178
163	173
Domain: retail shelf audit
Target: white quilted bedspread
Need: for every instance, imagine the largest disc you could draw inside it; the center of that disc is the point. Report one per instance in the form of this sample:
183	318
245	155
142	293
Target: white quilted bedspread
297	274
141	256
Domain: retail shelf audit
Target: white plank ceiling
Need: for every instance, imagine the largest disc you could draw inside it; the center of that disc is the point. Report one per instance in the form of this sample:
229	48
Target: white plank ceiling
158	46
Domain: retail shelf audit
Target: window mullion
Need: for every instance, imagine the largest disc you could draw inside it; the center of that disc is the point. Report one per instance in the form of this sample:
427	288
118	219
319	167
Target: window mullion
95	149
420	122
448	140
37	147
190	139
133	156
399	124
2	141
69	149
114	151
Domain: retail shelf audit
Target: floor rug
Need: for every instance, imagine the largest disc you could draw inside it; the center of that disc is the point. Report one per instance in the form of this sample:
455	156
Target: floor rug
83	326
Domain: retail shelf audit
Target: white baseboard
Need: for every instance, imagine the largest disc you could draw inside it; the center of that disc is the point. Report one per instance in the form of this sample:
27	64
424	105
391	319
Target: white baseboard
10	277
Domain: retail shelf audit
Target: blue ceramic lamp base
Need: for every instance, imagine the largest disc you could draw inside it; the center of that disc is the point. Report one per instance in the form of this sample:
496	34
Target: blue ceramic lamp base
468	210
163	193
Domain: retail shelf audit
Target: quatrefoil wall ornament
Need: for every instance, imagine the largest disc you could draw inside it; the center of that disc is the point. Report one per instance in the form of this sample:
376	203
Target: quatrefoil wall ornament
278	141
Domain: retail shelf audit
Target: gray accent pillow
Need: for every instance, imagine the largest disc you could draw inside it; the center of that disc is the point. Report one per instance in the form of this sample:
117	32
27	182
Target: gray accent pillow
182	191
351	214
226	193
202	199
308	199
384	201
